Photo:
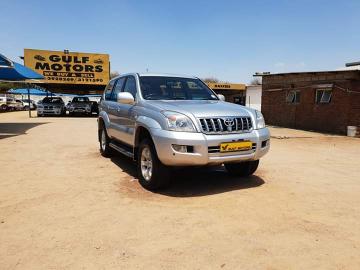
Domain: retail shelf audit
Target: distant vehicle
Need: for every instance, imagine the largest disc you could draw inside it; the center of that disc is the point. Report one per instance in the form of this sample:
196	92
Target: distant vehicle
51	106
27	103
10	104
82	105
3	104
18	105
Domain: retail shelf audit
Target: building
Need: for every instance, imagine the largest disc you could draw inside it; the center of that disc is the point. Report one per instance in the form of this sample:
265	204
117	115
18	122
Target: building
233	92
326	101
253	96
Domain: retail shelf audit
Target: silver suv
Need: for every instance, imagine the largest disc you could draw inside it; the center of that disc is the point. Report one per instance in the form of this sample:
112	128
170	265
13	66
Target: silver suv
163	121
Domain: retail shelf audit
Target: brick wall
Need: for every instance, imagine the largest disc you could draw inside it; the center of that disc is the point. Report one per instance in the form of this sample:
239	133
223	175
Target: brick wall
334	117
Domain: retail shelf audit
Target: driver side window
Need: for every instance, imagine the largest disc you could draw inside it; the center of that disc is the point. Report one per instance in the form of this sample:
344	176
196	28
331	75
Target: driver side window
130	86
117	89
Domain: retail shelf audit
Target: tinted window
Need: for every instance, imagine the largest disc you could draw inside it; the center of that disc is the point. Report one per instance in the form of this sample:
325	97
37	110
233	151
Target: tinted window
108	90
117	89
52	100
172	88
130	86
80	99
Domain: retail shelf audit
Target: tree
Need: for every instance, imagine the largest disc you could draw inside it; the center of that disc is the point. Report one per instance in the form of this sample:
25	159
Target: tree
256	81
114	74
210	80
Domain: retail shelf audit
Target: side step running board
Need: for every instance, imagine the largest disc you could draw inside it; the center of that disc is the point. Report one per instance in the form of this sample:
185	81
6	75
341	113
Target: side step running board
121	150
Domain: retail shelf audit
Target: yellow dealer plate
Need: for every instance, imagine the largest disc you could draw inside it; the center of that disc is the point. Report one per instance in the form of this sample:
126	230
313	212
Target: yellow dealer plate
235	146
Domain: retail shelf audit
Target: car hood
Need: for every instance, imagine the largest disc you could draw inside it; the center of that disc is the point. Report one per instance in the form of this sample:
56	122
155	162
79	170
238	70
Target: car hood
201	108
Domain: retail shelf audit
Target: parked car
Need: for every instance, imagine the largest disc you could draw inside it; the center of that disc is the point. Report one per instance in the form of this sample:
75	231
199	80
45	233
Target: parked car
3	104
27	103
80	105
51	106
166	121
10	104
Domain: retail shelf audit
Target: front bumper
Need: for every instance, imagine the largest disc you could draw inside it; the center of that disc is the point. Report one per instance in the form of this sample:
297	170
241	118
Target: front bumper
49	111
80	110
204	147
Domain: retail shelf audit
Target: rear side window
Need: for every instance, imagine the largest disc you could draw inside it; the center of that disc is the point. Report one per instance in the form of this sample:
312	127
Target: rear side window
108	90
117	89
130	86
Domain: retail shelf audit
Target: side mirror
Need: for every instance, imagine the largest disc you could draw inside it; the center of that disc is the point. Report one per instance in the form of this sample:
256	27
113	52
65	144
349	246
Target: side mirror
221	97
125	98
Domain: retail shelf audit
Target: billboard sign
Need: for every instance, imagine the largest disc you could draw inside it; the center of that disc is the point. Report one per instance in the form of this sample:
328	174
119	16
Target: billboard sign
69	67
227	86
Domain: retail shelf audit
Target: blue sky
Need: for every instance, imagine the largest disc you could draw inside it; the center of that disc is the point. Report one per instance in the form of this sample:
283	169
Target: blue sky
230	40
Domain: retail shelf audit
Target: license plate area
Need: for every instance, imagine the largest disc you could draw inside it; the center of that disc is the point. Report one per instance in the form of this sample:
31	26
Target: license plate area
235	146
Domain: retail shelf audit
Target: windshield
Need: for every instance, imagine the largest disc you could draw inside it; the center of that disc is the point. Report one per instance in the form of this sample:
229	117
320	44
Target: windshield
174	88
80	99
52	100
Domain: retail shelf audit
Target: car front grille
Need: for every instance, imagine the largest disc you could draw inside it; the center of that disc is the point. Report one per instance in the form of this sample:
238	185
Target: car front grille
224	125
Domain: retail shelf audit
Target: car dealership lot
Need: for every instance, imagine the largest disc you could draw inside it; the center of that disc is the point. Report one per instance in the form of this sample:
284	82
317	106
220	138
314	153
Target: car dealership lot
64	206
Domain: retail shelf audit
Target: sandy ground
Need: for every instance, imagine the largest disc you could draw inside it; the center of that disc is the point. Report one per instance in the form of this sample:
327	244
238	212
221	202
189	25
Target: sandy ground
63	206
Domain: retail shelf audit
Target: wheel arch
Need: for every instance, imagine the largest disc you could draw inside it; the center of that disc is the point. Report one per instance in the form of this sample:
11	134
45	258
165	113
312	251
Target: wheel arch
140	134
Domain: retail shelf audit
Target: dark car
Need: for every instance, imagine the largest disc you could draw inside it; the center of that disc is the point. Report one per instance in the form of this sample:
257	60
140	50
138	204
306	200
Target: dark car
82	105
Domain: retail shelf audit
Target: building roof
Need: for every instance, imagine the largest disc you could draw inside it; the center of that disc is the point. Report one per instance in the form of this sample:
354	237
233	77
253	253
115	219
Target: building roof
309	72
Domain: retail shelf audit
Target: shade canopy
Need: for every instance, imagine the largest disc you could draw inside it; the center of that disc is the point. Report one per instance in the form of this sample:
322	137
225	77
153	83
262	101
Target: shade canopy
12	71
32	91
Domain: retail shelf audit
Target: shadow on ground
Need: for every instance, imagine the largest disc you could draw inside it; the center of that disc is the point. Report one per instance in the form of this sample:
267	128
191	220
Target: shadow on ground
194	181
15	129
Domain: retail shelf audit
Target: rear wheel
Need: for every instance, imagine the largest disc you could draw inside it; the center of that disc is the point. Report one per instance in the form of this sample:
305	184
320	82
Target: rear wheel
152	173
246	168
104	141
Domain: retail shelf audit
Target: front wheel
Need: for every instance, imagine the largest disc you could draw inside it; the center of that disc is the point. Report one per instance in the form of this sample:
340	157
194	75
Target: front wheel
246	168
152	173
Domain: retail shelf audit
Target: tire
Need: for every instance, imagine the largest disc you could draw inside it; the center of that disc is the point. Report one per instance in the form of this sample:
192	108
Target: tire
26	108
104	141
246	168
40	115
3	108
152	174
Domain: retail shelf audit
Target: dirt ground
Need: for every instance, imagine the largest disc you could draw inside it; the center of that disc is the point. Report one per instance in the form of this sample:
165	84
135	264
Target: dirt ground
63	206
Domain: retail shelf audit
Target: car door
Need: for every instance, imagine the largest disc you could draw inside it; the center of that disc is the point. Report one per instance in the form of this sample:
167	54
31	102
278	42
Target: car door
114	108
106	104
126	112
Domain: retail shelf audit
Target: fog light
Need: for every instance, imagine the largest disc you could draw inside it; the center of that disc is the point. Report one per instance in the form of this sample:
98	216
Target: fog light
264	143
180	148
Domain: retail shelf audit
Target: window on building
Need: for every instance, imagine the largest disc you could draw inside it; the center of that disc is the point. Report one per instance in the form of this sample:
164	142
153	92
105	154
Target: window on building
323	96
293	97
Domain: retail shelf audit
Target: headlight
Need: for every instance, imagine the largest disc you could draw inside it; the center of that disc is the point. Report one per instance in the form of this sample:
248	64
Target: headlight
260	121
178	122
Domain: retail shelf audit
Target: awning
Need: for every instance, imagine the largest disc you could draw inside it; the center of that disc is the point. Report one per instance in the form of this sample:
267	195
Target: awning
12	71
31	91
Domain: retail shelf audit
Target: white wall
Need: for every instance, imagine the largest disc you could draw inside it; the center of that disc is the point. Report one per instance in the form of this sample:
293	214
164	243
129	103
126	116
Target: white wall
253	96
